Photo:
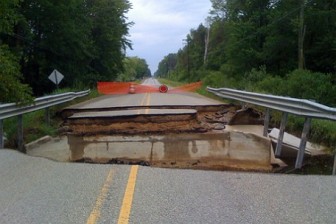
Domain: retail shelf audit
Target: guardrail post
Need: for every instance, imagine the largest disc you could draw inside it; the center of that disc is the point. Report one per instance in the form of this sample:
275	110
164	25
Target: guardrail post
334	168
2	141
266	121
47	116
281	133
20	133
300	154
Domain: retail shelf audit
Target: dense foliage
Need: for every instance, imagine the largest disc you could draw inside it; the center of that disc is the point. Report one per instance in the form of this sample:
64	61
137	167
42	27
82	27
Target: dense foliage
85	40
275	46
11	88
135	68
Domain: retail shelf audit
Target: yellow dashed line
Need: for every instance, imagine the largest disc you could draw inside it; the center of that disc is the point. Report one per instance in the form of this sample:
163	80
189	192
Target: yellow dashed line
95	214
128	197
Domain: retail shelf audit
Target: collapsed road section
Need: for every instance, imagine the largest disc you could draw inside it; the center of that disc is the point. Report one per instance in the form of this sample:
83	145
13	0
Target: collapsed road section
165	130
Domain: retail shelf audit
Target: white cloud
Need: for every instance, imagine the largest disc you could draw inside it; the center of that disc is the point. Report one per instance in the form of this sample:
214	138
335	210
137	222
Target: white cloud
160	26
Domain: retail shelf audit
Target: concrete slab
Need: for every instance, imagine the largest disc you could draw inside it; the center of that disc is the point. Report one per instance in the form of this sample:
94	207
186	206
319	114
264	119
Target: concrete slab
259	131
291	145
56	149
253	129
228	150
125	113
224	151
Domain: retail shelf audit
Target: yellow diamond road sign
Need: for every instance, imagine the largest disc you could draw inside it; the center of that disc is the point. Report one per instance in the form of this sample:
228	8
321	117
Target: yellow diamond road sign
56	77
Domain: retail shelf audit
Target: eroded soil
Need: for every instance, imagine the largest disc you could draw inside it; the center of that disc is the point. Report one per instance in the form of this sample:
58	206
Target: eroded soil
204	120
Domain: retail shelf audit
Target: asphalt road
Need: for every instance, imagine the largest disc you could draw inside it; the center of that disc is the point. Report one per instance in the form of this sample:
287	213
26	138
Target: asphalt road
146	99
151	82
36	190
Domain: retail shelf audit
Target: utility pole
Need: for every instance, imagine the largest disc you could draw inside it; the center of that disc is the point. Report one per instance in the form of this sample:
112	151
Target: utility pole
207	39
301	35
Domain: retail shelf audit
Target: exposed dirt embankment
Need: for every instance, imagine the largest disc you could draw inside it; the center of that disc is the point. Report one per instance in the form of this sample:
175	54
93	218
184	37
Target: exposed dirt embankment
155	121
137	127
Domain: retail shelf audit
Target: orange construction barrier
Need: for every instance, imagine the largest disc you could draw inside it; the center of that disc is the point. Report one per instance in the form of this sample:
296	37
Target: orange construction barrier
131	87
188	87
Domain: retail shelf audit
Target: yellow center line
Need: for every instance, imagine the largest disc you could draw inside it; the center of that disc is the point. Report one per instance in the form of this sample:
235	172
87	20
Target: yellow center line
148	103
143	102
143	99
128	197
95	214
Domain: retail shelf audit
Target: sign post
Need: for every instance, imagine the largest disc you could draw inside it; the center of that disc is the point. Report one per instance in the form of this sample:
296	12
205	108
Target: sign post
56	77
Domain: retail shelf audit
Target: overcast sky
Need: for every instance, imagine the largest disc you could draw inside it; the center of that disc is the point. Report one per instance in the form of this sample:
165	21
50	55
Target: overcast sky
161	25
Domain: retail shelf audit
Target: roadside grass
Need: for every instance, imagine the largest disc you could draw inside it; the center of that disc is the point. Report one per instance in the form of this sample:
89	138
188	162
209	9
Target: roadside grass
170	82
321	165
35	125
202	91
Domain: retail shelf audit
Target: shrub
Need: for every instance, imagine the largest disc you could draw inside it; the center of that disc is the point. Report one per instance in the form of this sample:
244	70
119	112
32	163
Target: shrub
271	85
218	79
316	86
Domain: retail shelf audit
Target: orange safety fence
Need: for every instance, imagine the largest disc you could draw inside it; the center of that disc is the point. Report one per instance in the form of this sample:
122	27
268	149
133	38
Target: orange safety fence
124	88
185	88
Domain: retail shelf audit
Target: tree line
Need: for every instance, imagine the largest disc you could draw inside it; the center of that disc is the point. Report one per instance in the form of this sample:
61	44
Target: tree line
85	40
282	47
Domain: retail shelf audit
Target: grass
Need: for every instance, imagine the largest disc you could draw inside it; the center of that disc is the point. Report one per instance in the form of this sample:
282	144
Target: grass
34	123
321	165
170	82
201	91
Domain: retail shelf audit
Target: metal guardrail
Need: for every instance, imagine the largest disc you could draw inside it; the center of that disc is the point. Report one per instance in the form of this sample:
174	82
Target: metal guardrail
287	105
11	109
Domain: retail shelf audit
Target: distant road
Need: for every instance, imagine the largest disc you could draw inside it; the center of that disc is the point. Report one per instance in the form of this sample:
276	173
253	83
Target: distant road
151	82
36	190
146	99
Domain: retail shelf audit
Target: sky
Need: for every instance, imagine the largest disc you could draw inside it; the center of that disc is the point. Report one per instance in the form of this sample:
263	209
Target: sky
161	25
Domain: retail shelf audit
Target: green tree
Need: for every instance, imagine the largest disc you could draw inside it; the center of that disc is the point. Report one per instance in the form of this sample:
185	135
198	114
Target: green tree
191	57
134	68
109	31
246	26
57	36
11	87
218	39
281	44
84	40
320	42
166	66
